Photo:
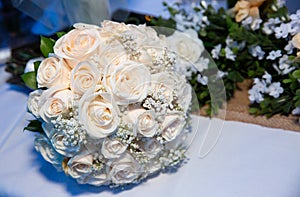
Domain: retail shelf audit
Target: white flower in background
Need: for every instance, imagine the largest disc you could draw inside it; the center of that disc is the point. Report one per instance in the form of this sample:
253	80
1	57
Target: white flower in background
256	51
269	26
44	146
282	31
229	54
285	65
289	47
294	27
274	54
216	51
186	44
280	3
275	89
83	77
255	96
32	103
296	111
53	71
124	170
221	74
112	148
247	21
98	113
202	64
128	82
256	24
267	77
202	79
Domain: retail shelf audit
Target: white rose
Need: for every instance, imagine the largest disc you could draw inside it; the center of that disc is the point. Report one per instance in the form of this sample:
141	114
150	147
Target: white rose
124	170
112	53
111	29
53	102
79	44
187	44
81	168
151	147
168	84
98	113
33	101
144	122
172	126
84	76
52	72
43	145
128	82
112	148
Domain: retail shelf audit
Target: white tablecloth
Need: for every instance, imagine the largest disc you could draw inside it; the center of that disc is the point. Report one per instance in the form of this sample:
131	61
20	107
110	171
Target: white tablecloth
248	160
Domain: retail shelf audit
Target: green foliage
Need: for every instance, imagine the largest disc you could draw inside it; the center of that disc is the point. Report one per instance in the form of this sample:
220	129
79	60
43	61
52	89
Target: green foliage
46	46
29	79
34	126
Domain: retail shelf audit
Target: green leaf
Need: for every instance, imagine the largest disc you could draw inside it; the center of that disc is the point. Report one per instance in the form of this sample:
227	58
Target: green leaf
253	110
34	126
235	76
36	66
60	34
46	46
29	79
296	74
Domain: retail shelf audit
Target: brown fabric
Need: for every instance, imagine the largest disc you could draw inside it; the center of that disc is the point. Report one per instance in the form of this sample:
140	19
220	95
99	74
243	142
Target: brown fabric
237	109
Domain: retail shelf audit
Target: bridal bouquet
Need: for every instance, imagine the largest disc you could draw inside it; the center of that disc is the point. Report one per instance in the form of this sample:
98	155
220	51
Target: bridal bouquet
110	107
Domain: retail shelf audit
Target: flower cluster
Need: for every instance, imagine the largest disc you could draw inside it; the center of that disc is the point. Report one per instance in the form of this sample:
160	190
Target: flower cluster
247	41
110	103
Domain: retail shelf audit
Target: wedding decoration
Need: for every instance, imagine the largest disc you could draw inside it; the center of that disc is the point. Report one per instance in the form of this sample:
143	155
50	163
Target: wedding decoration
110	107
257	40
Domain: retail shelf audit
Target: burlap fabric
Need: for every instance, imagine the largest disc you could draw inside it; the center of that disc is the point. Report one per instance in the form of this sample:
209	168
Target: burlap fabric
237	109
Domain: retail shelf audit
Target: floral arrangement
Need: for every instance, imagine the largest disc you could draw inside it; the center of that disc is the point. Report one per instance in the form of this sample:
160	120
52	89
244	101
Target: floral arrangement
256	40
109	106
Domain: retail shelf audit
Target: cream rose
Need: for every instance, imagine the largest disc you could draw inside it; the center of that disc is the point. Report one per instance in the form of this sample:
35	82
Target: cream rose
146	124
110	29
124	170
172	126
43	145
53	102
79	44
33	101
151	147
128	82
84	76
169	83
98	113
53	71
186	44
112	148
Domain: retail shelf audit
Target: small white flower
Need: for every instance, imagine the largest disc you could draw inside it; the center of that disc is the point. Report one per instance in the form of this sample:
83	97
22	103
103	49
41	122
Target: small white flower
202	64
267	77
275	89
289	47
274	54
259	85
257	52
285	65
202	79
296	111
221	74
247	21
256	24
294	27
280	3
229	54
216	51
255	96
282	31
268	27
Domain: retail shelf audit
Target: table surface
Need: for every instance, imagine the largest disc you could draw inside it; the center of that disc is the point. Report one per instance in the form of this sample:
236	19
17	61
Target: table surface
247	160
